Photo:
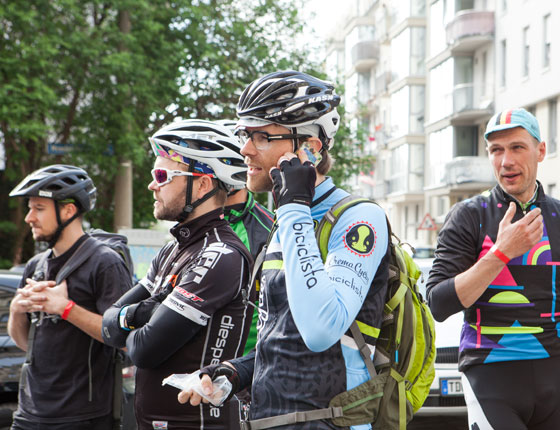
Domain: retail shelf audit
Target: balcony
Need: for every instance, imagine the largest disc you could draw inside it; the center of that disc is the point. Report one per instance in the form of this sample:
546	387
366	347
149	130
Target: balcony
382	82
468	170
380	190
469	30
469	104
365	55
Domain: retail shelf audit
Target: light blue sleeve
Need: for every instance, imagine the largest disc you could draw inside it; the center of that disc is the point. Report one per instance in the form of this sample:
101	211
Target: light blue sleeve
325	298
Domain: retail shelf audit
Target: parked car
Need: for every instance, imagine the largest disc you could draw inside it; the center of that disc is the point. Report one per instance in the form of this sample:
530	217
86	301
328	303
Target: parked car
12	358
446	393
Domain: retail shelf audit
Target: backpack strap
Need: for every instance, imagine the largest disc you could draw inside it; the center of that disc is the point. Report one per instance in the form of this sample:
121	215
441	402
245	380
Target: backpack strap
292	418
363	348
118	360
78	257
331	218
260	260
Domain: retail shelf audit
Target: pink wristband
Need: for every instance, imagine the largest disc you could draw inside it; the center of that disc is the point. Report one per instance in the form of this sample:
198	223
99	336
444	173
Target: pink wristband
67	310
494	250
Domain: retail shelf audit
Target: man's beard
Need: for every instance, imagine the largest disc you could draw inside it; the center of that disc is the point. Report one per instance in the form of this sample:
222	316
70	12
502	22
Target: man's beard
43	237
261	185
170	211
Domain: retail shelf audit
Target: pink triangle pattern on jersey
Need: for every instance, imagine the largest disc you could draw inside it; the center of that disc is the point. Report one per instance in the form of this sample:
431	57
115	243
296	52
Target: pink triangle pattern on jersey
504	277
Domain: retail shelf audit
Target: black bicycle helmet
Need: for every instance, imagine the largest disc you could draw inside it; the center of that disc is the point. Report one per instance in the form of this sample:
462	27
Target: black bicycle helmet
59	182
291	99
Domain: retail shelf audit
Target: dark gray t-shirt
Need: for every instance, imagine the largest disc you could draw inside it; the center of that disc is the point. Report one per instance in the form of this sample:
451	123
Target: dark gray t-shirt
71	375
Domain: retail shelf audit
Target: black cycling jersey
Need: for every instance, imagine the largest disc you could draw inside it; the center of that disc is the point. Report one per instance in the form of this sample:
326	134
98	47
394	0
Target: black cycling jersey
201	321
71	375
516	317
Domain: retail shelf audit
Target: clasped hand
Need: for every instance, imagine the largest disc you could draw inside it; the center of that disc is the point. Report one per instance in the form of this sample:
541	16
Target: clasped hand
44	296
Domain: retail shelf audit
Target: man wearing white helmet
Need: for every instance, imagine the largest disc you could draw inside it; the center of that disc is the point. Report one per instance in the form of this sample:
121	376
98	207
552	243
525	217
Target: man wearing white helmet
304	354
189	310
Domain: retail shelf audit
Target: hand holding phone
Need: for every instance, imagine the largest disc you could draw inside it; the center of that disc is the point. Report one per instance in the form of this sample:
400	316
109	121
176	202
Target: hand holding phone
314	156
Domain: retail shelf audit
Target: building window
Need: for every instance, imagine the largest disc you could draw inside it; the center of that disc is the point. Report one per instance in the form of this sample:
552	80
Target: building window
552	126
525	69
546	41
503	59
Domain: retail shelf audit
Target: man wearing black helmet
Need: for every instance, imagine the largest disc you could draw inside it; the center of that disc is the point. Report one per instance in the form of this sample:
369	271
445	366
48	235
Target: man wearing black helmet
304	354
67	379
189	310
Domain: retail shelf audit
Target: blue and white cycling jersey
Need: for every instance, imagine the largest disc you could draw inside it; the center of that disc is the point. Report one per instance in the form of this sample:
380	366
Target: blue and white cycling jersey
303	355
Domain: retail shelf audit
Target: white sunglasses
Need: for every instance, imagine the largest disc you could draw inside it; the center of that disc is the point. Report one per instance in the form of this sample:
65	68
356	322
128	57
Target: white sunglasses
164	176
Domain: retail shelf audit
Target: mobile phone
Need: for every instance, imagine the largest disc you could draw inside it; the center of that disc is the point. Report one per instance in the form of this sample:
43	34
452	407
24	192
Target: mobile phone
314	156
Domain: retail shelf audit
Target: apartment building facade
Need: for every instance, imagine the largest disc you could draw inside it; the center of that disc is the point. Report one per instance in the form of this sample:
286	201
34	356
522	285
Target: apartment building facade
424	77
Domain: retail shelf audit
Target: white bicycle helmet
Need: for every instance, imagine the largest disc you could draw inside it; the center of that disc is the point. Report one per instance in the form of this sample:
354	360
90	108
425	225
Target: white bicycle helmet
214	149
292	99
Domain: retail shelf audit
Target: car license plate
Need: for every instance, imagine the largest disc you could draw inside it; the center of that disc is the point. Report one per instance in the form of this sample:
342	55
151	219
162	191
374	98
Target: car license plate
451	387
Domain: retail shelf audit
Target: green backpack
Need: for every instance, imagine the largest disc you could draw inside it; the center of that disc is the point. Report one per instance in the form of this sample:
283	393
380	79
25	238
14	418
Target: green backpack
405	348
404	353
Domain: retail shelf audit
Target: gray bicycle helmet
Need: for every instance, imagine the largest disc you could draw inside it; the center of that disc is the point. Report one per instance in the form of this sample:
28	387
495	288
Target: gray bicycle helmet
292	99
63	184
59	182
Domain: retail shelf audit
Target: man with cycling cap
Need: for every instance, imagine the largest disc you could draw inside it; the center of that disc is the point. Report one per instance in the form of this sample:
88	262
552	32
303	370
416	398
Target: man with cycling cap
496	260
188	311
304	354
67	378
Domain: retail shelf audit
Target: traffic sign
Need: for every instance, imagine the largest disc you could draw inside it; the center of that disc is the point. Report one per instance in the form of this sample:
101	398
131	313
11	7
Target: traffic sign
427	223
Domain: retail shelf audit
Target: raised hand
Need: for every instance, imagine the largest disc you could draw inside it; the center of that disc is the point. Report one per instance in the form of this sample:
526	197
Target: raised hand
515	239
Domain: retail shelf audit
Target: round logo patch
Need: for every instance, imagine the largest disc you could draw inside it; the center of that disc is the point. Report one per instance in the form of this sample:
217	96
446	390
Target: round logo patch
360	239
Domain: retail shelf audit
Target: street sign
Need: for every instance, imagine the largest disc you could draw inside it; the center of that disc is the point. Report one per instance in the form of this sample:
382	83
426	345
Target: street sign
427	223
55	148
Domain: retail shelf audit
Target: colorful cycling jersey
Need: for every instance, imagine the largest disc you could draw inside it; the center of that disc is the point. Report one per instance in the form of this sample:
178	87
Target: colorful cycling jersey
201	321
251	222
517	317
303	356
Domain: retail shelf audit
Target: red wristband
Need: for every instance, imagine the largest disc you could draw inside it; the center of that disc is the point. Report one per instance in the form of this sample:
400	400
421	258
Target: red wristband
494	250
67	309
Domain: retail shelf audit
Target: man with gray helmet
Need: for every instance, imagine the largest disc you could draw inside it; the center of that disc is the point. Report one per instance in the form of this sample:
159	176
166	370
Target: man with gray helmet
304	355
67	379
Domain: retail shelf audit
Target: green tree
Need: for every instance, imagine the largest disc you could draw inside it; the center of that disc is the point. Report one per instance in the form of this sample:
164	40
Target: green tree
69	75
348	150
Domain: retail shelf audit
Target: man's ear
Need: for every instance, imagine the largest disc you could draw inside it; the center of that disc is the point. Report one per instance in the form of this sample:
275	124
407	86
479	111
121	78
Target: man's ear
542	150
68	210
205	185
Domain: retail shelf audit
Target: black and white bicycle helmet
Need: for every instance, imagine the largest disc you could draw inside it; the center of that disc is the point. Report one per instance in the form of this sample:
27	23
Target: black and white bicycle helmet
59	182
294	100
206	147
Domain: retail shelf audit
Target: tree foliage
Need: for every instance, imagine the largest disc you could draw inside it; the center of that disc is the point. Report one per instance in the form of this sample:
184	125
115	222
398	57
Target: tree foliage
71	75
99	76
